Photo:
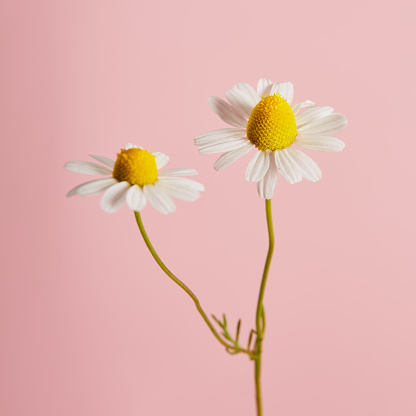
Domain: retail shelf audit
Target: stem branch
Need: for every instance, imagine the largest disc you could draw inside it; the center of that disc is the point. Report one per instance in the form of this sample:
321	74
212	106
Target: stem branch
182	285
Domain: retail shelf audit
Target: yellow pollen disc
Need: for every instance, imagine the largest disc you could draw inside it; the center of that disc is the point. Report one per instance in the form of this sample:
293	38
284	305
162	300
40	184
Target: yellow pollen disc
272	124
136	166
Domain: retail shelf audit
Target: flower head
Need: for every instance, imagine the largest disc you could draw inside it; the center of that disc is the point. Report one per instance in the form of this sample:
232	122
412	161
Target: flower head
267	120
135	178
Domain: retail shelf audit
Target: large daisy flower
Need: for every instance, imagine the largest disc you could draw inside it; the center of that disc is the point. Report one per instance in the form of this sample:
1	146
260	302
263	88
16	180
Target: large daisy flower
267	120
135	178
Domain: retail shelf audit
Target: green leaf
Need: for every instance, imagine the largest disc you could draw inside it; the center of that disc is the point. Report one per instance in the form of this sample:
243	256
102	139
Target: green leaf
217	320
238	330
249	338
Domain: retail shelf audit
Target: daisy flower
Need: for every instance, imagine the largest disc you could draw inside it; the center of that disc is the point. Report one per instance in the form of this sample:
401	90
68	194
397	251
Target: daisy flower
267	120
135	178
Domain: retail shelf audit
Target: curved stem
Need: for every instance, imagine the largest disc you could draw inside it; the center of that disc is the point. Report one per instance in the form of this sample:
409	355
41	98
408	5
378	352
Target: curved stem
184	287
260	315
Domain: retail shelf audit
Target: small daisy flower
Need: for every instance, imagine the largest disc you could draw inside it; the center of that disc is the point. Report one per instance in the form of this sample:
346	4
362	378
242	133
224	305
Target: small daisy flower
135	178
267	120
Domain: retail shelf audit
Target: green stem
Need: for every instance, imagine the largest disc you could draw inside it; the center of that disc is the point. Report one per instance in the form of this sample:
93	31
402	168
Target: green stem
185	288
260	315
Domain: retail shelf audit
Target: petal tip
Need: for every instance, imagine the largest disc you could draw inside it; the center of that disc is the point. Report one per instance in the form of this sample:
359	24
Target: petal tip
212	99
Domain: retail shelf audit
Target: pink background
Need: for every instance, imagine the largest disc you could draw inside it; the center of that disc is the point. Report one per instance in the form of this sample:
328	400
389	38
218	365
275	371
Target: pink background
90	326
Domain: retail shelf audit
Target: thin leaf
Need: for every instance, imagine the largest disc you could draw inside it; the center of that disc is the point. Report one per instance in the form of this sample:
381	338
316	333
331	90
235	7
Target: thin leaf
238	331
249	338
226	335
217	320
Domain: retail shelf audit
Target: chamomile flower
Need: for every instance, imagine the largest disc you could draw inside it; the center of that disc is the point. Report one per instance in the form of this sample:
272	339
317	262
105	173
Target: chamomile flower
135	178
267	120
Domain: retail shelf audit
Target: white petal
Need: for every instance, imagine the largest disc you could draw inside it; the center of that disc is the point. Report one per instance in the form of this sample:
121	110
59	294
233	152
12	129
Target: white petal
324	126
161	159
92	187
132	146
104	160
320	143
249	92
263	86
227	112
308	167
158	199
210	141
312	114
266	186
135	198
288	170
257	167
243	97
227	158
178	190
114	197
303	104
222	146
181	182
238	101
178	172
285	89
220	134
89	168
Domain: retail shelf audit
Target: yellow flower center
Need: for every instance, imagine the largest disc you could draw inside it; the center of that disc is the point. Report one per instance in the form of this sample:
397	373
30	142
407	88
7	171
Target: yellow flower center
136	166
272	124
